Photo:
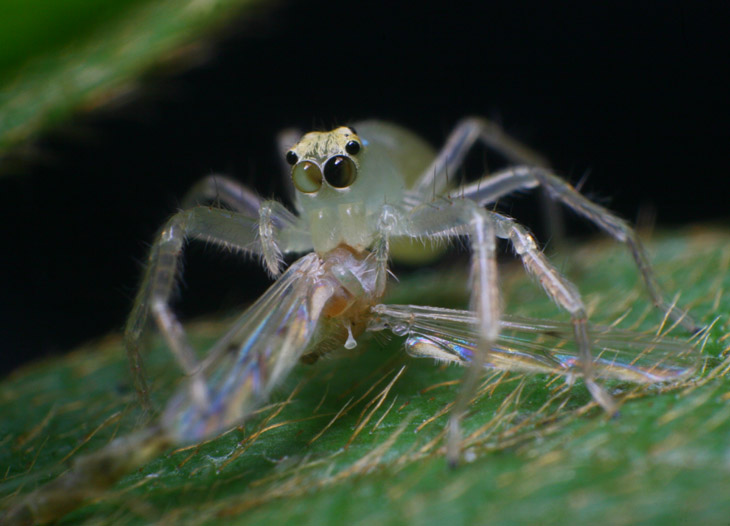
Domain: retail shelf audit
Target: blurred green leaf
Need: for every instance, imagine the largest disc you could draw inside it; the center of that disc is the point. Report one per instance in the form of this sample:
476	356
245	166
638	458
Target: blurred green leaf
664	460
58	57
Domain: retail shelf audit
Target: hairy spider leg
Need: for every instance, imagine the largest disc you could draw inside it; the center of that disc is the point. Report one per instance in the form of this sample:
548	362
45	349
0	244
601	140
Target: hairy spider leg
435	181
444	219
489	189
229	229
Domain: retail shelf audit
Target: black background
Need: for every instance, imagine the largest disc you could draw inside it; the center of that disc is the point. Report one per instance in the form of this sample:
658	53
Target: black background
628	95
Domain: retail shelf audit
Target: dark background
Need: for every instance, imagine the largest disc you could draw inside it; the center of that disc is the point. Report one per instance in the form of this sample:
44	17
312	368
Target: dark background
629	96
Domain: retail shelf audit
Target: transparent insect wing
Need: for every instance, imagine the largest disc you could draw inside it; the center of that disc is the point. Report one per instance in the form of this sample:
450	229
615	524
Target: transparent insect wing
537	346
260	350
623	355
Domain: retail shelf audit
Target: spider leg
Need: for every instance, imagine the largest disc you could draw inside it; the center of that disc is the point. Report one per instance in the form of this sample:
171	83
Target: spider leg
469	131
220	190
489	189
465	135
562	291
445	218
225	228
453	218
256	353
386	225
273	216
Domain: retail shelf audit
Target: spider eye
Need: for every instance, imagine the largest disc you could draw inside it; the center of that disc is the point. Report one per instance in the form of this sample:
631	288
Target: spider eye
291	157
352	147
307	177
340	171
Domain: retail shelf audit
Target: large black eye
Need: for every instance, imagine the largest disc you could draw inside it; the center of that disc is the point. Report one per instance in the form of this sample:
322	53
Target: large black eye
307	177
291	157
352	147
340	171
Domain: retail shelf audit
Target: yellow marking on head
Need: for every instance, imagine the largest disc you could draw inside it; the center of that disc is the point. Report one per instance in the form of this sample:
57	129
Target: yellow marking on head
320	146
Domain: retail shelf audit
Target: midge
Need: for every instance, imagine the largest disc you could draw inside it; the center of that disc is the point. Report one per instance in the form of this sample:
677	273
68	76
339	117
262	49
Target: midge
361	196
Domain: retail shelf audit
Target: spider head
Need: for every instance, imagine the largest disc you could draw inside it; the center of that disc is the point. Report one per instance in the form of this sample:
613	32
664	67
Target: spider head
342	181
328	159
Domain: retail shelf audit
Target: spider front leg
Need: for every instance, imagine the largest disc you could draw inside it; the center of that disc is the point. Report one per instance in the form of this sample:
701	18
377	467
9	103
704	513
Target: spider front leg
447	219
273	216
489	189
221	190
231	230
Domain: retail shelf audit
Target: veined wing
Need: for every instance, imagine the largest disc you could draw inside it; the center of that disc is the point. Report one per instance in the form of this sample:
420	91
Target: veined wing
532	345
254	356
261	348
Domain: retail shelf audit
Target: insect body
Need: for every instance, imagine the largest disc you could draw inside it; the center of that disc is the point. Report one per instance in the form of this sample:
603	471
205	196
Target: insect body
361	196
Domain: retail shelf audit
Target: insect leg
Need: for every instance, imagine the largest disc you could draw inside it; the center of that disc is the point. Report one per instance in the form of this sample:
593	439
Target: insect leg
489	189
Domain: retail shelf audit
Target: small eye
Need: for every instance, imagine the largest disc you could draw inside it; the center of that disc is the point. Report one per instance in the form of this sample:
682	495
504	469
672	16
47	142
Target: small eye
351	129
340	171
291	157
307	177
352	147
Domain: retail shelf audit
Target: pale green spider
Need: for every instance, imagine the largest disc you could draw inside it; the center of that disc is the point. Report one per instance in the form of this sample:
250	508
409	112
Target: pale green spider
362	194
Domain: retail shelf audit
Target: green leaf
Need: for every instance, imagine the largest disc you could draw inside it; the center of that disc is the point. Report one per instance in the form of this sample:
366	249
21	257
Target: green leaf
359	438
60	57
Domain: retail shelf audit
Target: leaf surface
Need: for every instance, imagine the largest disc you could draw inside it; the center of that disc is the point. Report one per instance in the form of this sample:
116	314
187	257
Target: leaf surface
358	439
